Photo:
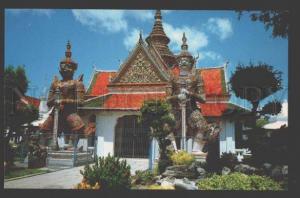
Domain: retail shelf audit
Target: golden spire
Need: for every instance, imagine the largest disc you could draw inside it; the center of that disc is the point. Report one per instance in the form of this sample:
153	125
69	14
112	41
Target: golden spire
184	45
160	41
68	52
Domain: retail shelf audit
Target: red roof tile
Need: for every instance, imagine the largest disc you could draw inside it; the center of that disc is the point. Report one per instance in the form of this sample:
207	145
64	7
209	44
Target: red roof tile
213	109
130	101
34	101
100	82
212	79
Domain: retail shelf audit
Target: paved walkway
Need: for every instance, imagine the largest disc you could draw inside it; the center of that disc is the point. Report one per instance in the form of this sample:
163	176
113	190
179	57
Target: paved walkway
63	179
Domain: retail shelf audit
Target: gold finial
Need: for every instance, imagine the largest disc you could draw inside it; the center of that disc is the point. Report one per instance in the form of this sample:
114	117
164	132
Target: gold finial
184	45
68	51
157	15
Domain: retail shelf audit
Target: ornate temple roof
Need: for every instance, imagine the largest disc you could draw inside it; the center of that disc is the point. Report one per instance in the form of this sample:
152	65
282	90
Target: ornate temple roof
159	40
214	87
145	75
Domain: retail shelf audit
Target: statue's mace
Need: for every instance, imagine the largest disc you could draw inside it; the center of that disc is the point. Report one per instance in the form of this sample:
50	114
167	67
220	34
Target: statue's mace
183	99
56	112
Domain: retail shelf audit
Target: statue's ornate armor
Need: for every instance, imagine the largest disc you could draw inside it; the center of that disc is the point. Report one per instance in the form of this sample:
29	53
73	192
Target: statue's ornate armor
71	94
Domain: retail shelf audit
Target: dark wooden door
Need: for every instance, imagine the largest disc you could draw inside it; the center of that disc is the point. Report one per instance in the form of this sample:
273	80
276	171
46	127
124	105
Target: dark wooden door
131	138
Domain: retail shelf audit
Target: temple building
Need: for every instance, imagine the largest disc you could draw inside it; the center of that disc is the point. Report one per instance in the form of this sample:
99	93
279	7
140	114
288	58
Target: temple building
115	97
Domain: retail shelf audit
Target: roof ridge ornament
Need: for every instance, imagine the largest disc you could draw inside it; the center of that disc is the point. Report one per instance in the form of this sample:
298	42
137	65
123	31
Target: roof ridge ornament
141	36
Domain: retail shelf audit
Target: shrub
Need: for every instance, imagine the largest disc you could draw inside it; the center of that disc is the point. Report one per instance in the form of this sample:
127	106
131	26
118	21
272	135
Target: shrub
85	186
143	177
36	154
182	158
109	172
9	156
163	164
238	181
229	160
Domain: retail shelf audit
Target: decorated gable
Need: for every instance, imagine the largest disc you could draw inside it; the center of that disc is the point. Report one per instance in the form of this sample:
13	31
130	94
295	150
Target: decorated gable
140	70
140	67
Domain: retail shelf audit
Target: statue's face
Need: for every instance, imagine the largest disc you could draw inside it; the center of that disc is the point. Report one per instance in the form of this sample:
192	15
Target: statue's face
66	71
185	63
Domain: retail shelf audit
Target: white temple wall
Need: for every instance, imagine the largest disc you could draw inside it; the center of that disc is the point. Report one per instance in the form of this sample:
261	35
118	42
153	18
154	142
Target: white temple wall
105	129
227	137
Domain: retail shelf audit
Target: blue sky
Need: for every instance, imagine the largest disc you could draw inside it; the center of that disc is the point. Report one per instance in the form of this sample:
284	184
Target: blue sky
104	38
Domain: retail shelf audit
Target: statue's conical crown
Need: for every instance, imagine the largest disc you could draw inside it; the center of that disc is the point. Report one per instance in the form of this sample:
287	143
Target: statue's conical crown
67	61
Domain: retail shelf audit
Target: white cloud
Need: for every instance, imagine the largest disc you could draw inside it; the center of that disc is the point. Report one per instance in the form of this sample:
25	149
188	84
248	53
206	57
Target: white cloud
46	12
142	15
210	55
131	39
220	26
195	38
283	115
102	20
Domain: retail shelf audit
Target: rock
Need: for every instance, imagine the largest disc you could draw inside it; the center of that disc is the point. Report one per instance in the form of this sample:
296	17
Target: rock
165	180
158	177
267	167
201	172
193	166
167	184
285	171
276	173
225	170
184	184
180	171
244	168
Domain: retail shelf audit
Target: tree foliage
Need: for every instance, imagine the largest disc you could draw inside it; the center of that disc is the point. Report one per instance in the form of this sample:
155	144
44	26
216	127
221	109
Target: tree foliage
16	115
255	83
278	20
156	114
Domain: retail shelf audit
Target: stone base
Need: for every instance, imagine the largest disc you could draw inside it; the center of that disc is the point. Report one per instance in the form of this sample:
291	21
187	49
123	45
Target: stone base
200	157
66	159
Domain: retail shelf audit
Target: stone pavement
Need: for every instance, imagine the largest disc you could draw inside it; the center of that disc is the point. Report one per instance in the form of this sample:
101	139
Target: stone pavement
64	179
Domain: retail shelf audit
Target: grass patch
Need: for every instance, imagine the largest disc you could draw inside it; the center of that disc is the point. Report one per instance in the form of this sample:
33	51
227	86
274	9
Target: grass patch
20	172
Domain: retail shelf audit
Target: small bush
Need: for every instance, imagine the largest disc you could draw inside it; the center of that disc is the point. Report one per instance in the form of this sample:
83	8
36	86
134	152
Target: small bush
143	177
9	156
109	172
238	181
182	158
163	164
83	185
229	160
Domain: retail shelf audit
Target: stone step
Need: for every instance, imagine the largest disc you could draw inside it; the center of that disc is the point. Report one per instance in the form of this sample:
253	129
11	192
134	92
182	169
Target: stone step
53	162
68	155
200	157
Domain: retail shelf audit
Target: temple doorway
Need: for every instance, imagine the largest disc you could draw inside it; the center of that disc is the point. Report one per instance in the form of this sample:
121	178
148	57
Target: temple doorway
131	138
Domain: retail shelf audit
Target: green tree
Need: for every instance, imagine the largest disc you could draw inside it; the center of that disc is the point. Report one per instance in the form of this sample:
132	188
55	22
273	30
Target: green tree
255	83
15	86
156	114
278	20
